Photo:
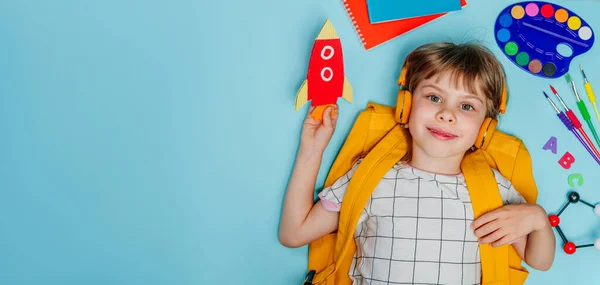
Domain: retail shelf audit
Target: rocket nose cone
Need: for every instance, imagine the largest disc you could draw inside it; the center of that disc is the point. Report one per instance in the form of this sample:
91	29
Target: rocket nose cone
328	31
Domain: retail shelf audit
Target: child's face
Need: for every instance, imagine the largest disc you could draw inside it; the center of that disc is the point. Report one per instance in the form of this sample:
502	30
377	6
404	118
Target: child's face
445	118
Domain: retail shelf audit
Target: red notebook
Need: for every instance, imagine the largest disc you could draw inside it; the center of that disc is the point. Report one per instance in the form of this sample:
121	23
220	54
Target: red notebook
372	35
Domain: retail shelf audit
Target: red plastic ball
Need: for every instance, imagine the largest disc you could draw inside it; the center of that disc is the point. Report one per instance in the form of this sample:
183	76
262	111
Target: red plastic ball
569	248
554	220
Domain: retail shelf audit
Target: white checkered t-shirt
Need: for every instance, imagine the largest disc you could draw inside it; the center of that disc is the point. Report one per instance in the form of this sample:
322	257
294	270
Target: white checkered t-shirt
415	228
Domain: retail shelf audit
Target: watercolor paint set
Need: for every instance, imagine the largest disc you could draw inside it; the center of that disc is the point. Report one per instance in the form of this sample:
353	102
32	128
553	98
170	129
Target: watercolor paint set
542	38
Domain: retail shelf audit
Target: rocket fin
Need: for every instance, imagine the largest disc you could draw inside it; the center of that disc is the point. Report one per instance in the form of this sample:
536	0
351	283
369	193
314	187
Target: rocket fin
302	95
347	91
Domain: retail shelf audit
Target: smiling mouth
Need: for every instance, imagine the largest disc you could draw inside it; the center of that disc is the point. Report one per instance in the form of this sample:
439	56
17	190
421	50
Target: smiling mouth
441	134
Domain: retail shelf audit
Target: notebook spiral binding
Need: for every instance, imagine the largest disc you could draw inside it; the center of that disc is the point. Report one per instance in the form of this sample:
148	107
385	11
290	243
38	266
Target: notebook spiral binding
356	27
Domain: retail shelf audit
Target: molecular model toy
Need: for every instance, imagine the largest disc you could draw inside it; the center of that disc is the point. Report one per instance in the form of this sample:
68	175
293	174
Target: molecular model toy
568	246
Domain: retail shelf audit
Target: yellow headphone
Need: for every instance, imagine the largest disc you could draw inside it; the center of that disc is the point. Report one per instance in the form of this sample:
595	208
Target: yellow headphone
404	101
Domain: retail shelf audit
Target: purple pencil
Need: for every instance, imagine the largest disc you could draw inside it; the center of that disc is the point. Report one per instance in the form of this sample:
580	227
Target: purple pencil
571	128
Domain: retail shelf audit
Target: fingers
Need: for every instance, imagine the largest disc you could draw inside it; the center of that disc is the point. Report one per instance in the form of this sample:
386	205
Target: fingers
493	237
484	219
334	117
309	118
309	114
486	229
310	110
507	239
327	120
330	116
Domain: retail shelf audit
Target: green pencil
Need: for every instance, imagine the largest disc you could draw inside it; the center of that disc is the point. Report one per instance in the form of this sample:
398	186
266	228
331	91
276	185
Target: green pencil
583	109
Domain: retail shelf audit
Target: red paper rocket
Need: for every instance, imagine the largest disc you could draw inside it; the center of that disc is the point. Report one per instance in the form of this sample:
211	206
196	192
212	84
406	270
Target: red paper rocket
325	81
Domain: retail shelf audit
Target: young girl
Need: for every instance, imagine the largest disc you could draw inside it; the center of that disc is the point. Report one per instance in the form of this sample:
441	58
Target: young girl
418	226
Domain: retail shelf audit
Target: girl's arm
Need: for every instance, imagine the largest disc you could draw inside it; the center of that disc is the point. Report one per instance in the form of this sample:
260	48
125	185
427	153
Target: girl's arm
302	220
537	249
526	226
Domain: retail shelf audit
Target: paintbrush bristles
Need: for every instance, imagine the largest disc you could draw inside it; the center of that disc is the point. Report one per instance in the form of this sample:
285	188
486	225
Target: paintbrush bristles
570	81
583	73
559	99
551	103
568	77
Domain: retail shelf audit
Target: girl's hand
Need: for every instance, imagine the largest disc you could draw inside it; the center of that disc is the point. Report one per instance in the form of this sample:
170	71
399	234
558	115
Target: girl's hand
507	224
316	134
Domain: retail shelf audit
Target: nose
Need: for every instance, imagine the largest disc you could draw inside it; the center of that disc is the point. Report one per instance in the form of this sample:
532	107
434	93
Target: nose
446	115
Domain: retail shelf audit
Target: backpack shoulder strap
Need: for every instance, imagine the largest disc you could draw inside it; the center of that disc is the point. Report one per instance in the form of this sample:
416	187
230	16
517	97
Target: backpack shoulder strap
369	128
371	125
510	156
376	163
485	197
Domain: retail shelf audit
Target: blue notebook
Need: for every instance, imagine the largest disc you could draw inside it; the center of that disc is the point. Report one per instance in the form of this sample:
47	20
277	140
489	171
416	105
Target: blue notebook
391	10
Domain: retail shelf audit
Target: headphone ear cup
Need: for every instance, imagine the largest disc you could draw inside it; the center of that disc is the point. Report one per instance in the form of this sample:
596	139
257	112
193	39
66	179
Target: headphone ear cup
403	105
503	101
486	131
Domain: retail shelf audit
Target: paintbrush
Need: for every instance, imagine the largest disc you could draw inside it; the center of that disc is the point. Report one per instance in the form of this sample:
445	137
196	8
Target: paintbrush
590	92
563	118
582	108
575	121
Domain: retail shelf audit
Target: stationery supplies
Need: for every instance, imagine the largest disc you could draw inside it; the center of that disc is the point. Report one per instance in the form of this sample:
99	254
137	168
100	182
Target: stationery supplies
372	35
391	10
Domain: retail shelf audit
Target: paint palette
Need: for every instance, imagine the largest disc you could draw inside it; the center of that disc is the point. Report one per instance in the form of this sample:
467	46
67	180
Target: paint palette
542	38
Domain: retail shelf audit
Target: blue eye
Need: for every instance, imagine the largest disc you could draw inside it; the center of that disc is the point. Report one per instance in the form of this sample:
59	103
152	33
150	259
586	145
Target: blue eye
434	98
467	107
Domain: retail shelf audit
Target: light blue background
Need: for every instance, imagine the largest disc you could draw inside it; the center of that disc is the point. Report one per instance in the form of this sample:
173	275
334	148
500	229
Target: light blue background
146	142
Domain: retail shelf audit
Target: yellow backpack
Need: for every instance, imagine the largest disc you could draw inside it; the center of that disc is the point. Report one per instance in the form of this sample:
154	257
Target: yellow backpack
378	138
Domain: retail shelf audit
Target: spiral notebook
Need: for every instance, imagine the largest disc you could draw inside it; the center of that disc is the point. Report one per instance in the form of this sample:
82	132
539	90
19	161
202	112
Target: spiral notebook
372	35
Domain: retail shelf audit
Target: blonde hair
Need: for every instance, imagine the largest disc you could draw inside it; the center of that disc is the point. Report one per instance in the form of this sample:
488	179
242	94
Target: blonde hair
473	64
